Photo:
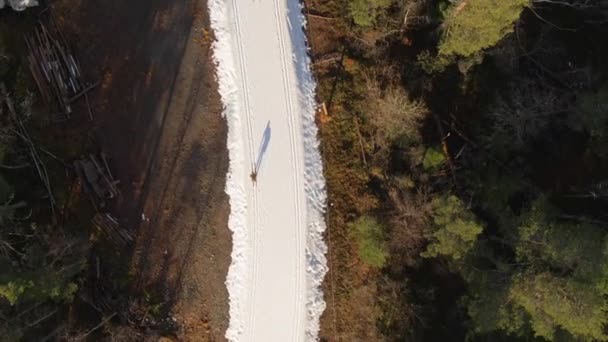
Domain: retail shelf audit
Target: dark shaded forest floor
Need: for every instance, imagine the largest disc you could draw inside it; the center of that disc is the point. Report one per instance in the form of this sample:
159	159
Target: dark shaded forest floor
157	115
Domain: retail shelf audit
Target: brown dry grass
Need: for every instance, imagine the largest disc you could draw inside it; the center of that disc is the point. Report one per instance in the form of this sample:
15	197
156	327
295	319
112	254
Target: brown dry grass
361	302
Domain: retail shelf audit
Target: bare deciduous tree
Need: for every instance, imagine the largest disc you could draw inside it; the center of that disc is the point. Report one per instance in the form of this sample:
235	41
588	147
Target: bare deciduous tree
393	114
410	218
526	111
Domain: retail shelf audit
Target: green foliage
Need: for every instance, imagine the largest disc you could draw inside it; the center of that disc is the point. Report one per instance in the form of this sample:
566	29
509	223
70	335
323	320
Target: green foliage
455	229
40	262
369	234
154	304
431	64
471	26
41	285
495	188
365	12
13	290
532	272
555	286
405	182
570	247
475	25
433	159
539	304
556	303
489	306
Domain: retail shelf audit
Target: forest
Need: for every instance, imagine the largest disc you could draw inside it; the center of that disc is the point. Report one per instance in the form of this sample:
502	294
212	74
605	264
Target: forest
465	147
62	276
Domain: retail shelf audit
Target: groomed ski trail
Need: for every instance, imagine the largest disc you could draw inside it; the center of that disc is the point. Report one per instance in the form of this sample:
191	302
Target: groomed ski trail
278	257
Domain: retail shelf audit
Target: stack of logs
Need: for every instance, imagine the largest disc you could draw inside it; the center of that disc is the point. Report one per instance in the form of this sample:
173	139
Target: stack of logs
56	70
96	179
108	225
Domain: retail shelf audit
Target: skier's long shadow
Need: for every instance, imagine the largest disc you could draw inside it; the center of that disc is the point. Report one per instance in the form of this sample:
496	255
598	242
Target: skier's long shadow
263	147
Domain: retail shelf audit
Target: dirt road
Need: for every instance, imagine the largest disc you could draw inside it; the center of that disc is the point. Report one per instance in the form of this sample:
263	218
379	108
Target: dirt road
157	115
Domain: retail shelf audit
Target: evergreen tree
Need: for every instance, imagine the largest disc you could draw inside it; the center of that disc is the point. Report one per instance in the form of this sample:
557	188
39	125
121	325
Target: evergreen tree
455	229
555	286
470	27
369	234
365	12
474	25
555	303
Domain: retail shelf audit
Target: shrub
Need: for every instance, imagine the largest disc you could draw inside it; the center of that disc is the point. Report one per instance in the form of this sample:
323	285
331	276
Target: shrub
13	290
433	159
371	244
393	115
364	12
455	229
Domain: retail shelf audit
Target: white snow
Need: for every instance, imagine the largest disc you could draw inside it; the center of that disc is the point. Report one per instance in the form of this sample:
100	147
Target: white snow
278	256
19	5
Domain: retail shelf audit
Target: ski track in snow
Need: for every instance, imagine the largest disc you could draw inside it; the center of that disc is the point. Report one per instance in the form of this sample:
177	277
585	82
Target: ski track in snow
278	256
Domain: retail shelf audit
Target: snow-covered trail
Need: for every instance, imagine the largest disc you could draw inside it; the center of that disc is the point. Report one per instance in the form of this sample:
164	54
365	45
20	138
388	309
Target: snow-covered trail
278	257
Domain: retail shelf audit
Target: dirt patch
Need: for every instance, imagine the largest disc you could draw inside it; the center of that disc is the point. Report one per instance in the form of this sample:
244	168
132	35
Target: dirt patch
157	115
324	37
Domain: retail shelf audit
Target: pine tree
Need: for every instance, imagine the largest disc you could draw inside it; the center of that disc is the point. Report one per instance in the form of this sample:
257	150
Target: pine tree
455	229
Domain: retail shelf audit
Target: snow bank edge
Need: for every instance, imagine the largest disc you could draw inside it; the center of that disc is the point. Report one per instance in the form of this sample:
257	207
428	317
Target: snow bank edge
224	60
316	194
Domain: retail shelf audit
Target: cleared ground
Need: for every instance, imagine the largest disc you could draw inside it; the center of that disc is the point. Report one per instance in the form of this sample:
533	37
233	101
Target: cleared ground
157	115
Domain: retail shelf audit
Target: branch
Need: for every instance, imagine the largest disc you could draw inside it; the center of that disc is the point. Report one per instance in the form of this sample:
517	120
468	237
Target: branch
582	219
552	24
320	17
576	5
8	245
106	320
45	317
14	167
13	319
